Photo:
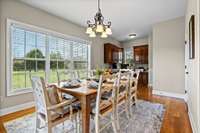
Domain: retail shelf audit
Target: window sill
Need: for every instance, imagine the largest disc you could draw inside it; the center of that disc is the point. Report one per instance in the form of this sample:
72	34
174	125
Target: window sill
19	92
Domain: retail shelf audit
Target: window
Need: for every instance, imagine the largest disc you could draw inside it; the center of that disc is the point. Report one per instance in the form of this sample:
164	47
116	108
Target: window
41	53
128	55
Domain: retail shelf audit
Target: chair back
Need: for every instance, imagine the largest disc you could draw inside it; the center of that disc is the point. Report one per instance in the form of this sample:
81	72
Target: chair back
84	74
113	93
66	75
125	78
134	79
40	95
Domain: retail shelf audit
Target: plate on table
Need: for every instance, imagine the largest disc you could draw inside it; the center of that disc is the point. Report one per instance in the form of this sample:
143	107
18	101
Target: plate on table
71	84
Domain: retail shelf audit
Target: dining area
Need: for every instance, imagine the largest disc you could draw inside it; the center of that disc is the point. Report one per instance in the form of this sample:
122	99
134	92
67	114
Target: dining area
86	101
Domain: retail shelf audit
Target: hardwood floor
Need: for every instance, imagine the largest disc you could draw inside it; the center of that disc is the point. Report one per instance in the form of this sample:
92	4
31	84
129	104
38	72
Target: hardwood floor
176	118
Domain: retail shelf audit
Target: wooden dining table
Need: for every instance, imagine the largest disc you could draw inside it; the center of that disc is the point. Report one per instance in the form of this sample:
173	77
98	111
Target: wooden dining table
85	95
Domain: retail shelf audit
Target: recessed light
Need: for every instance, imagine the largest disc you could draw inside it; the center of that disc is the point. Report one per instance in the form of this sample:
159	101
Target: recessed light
132	35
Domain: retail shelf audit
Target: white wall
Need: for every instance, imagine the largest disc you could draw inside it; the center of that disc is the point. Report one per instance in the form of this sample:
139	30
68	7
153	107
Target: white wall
193	66
168	56
18	11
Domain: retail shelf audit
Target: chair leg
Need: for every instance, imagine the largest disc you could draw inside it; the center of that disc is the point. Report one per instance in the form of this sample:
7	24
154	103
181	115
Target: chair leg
76	123
49	128
37	123
97	124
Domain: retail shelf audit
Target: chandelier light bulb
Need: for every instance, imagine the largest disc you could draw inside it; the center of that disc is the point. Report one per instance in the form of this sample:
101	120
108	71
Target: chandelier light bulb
89	30
104	35
92	34
108	31
99	28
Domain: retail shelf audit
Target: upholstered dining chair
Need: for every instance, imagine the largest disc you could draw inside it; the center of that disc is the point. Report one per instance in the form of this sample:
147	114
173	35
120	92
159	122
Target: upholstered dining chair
50	108
106	104
62	76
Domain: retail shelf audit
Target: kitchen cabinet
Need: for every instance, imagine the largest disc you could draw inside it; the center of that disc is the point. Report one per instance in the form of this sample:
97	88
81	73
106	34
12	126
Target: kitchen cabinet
143	79
141	54
112	54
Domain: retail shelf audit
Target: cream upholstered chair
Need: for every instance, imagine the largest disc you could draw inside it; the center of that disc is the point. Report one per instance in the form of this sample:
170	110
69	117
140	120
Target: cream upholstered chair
106	103
49	107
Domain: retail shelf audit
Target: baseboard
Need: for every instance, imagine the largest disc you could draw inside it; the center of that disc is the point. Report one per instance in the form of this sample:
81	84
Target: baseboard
169	94
16	108
194	128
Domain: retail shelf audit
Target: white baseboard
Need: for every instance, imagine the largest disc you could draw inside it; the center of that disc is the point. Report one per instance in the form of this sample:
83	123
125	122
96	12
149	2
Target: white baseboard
16	108
194	128
169	94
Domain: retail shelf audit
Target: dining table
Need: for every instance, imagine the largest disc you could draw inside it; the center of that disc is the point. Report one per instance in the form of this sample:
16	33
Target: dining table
85	95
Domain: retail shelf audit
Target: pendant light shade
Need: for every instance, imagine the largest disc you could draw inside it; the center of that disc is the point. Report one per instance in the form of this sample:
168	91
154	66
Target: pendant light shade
104	35
108	31
89	30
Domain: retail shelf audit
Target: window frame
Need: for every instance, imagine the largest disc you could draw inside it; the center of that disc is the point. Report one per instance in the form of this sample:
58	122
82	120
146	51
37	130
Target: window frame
9	60
128	50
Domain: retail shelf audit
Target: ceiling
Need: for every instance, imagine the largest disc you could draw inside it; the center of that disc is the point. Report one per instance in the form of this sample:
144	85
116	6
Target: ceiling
127	16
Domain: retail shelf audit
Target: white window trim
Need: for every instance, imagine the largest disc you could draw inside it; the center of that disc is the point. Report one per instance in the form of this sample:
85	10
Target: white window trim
9	67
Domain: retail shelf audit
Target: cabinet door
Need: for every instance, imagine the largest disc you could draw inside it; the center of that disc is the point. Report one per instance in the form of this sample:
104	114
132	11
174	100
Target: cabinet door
141	54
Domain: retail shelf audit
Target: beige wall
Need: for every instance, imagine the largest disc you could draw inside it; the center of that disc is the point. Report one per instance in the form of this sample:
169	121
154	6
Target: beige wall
20	12
168	56
193	66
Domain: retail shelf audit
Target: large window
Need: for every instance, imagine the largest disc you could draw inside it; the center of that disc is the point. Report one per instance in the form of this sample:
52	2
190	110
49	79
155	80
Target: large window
128	55
33	51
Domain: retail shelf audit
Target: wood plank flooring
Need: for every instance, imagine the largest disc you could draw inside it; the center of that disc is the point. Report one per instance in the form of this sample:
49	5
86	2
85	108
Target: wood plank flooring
176	118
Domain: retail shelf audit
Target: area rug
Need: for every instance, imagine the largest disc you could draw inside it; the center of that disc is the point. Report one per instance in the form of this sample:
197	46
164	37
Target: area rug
146	117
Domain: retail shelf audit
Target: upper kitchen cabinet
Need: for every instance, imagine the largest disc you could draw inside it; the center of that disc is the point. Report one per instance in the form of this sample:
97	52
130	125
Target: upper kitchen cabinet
112	54
141	54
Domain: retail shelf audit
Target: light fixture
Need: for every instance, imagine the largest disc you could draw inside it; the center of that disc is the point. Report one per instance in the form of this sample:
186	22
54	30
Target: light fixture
108	31
104	35
98	26
132	35
92	34
89	30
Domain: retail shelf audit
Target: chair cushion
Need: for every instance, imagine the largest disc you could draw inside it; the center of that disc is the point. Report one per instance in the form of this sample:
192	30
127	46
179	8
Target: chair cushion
106	95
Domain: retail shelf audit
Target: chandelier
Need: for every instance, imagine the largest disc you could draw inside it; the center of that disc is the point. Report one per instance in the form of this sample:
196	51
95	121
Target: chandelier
98	27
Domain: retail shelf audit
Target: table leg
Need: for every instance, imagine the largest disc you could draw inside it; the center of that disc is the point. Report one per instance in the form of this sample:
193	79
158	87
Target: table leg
85	104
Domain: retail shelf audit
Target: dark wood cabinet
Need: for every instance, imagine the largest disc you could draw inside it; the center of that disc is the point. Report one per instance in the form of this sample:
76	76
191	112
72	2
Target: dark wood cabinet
112	53
141	54
143	79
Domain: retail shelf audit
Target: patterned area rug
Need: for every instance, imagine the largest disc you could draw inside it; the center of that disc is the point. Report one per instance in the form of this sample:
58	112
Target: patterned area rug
146	117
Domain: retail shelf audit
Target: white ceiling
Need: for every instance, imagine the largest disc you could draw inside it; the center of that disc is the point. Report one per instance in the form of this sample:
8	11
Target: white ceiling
127	16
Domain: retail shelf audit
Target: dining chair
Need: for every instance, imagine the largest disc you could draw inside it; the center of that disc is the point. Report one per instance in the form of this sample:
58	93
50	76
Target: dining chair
50	108
63	76
106	104
86	74
124	92
134	86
